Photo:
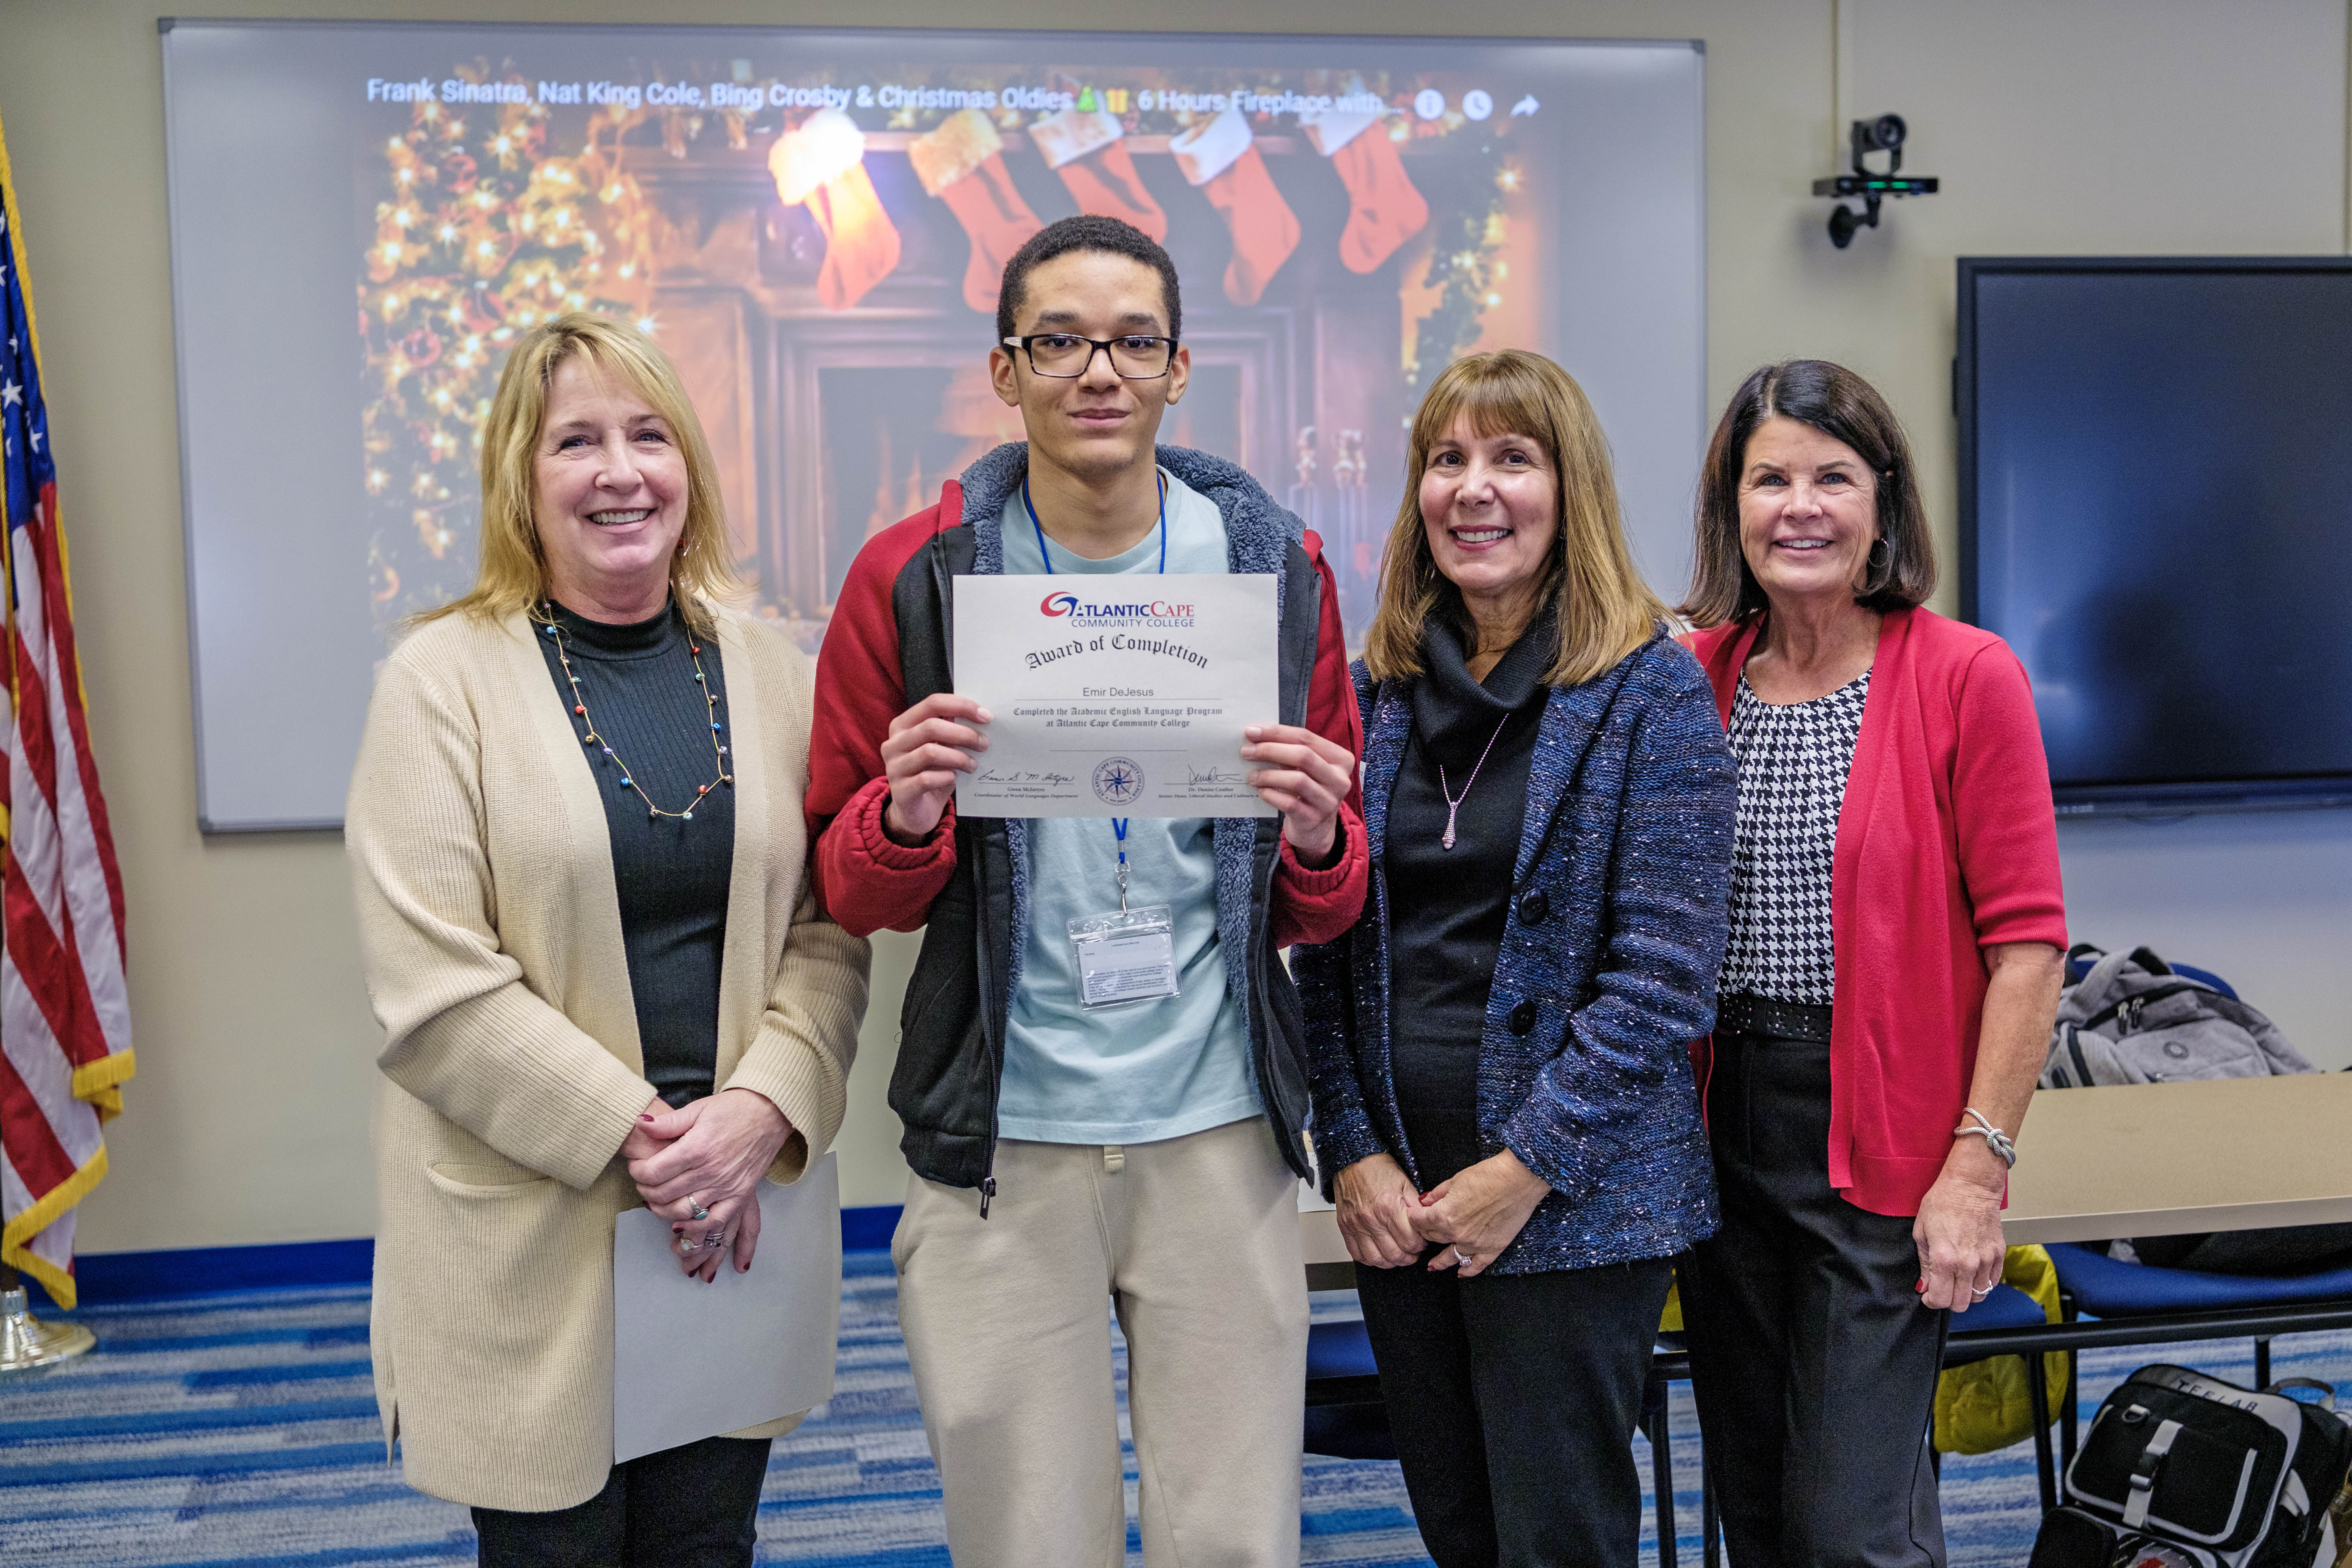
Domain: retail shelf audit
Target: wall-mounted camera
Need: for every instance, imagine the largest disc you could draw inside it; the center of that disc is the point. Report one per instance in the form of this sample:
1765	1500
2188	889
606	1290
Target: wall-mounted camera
1884	134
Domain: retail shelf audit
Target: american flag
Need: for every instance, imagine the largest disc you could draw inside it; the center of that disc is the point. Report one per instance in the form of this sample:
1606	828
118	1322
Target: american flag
65	1017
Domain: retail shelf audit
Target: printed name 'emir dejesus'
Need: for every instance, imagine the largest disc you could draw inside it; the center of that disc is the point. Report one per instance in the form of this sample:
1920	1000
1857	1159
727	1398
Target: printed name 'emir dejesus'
1118	642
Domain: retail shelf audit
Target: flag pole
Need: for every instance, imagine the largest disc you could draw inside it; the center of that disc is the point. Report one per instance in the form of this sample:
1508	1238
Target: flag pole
26	1341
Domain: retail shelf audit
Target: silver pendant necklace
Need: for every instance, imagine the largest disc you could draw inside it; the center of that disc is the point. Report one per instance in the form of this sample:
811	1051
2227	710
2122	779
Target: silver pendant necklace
1453	801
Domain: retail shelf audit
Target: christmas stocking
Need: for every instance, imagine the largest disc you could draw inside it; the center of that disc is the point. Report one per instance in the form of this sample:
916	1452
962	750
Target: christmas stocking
1084	147
963	164
1384	210
1220	157
820	163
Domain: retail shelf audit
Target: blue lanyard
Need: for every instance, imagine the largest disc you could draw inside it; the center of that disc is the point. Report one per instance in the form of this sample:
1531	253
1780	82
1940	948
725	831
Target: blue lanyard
1117	824
1046	555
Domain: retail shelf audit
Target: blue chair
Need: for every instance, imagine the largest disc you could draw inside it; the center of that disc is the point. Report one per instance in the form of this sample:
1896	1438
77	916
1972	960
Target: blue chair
1671	1364
1345	1417
2007	1309
2169	1304
1347	1420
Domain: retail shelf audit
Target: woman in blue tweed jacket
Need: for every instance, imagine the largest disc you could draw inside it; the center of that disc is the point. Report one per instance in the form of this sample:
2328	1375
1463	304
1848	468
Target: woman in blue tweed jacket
1505	1108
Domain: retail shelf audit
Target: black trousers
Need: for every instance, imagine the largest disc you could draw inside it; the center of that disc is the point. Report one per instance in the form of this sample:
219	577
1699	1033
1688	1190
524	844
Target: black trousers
1513	1399
1813	1362
691	1507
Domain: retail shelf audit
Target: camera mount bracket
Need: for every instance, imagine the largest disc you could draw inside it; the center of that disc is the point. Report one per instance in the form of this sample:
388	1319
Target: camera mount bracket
1885	134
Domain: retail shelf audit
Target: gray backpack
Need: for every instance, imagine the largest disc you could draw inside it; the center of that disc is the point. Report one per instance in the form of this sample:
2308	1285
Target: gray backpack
2133	1020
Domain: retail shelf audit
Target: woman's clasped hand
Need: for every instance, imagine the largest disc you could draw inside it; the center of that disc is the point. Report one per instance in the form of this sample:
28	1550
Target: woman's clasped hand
699	1167
1470	1218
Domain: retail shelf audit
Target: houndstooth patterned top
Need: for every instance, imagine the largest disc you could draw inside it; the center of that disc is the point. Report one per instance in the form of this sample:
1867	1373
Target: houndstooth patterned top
1793	761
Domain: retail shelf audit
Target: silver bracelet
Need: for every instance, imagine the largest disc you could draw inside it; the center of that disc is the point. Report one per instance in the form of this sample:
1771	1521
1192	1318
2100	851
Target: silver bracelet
2000	1142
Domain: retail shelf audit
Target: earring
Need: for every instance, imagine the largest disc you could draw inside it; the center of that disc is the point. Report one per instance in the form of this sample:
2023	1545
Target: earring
1880	554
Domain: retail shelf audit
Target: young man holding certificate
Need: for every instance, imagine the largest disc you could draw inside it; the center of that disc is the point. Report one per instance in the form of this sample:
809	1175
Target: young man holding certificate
1080	1124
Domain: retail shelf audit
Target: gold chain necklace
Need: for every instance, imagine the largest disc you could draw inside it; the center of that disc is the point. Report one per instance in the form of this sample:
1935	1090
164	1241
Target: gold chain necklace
590	736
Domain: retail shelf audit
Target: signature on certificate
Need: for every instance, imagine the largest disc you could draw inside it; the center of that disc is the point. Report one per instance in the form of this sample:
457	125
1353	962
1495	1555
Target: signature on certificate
1213	776
991	775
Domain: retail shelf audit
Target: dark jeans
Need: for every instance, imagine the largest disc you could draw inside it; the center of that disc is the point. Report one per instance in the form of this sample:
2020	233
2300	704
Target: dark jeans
1813	1362
1513	1398
691	1507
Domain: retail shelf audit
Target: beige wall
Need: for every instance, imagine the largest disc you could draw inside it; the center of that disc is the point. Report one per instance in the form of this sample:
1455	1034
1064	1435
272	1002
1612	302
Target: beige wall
2080	126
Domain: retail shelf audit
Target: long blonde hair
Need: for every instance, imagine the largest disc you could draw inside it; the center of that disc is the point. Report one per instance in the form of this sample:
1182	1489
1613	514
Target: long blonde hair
1606	609
513	571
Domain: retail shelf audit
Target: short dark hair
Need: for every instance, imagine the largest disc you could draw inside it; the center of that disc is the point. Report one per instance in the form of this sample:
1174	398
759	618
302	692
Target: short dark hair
1838	404
1087	231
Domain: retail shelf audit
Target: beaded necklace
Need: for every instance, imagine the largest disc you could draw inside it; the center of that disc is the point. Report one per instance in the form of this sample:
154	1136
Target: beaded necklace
590	736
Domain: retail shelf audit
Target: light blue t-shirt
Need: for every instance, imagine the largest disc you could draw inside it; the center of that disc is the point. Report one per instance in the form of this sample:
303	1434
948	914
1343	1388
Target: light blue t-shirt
1147	1070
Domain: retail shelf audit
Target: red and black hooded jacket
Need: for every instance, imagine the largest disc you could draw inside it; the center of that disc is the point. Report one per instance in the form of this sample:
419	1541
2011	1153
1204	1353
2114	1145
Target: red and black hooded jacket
889	646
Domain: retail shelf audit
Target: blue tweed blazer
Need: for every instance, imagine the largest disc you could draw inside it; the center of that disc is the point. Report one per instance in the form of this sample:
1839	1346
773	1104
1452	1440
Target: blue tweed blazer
1620	909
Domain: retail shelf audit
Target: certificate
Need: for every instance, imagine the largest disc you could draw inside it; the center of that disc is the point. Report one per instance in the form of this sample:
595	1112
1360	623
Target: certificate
1115	696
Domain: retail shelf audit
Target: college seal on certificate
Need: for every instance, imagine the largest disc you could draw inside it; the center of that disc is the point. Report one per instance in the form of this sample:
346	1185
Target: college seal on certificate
1118	781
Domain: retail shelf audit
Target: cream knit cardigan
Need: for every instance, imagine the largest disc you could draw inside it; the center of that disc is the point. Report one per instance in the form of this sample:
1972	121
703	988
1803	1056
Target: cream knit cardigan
490	929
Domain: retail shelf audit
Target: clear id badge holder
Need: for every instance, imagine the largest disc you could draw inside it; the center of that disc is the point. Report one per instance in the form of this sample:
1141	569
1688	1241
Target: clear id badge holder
1126	955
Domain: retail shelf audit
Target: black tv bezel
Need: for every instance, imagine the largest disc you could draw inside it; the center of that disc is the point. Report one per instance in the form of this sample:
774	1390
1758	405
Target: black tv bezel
2159	799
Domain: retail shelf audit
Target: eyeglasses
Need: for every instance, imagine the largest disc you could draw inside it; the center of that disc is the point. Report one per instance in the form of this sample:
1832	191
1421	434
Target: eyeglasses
1067	355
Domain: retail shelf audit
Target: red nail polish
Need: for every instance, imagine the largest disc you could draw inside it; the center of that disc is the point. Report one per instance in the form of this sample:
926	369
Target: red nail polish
644	1116
1919	1288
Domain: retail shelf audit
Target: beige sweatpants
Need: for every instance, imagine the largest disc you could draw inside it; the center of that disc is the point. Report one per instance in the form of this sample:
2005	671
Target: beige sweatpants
1195	1242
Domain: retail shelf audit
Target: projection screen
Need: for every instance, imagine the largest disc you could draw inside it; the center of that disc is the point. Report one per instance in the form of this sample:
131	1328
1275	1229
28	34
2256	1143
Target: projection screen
364	216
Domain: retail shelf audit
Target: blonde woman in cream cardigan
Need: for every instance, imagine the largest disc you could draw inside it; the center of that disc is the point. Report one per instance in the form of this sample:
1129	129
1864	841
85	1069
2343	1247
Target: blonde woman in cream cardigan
602	970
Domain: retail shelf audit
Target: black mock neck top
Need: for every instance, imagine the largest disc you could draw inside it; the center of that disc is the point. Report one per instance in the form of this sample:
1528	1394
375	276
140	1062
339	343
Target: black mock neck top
638	685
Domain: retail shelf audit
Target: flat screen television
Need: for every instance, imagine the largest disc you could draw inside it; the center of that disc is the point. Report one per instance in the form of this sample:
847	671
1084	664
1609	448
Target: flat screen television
2156	513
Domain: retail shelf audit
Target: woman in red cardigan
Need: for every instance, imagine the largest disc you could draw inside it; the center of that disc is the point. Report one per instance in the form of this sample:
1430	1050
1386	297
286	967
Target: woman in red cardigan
1897	928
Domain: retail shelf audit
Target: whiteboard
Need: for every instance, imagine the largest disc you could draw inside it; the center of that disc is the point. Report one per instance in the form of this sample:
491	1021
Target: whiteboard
364	215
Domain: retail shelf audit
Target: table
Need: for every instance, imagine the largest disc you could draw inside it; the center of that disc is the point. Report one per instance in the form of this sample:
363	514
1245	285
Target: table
1328	1267
2158	1159
2166	1159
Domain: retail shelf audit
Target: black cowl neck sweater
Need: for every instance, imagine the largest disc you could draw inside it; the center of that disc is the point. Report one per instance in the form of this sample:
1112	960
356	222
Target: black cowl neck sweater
1449	906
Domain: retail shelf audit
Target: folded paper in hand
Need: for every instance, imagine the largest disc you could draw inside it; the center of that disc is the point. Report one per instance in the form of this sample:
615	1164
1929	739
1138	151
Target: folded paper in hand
692	1360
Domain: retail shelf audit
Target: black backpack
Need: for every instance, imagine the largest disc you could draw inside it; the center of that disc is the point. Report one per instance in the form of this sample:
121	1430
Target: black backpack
2214	1474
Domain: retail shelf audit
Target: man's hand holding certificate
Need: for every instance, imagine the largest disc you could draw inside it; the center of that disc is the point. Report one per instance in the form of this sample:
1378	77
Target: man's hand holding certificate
1114	696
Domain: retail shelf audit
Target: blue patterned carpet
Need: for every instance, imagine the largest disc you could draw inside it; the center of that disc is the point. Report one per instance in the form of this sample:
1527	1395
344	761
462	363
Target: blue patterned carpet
242	1429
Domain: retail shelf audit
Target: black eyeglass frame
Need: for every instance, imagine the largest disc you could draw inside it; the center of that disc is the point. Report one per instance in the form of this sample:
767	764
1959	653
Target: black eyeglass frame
1027	344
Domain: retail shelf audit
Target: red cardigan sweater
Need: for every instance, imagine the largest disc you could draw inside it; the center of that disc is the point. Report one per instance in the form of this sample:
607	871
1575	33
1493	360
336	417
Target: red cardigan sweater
1946	844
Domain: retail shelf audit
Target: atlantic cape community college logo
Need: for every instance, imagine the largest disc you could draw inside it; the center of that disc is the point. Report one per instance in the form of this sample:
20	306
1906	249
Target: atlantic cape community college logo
1117	780
1061	605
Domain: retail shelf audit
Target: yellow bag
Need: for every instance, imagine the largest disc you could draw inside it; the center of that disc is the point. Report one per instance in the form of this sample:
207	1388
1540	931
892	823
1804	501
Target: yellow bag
1671	1321
1986	1404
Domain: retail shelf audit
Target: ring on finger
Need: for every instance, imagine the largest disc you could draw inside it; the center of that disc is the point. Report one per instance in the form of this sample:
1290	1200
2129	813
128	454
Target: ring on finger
701	1210
1462	1257
1986	1291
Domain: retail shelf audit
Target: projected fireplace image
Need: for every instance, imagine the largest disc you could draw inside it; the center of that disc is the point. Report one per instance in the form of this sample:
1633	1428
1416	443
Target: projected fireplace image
828	292
814	225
